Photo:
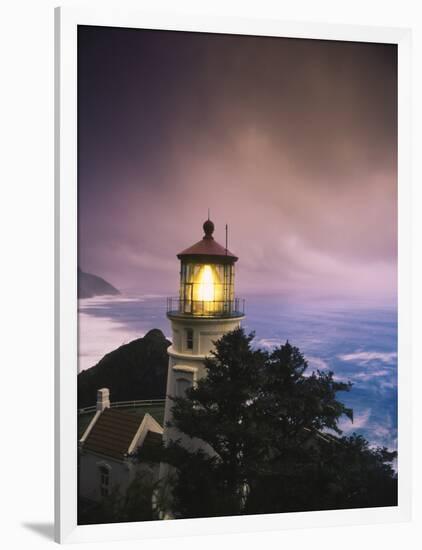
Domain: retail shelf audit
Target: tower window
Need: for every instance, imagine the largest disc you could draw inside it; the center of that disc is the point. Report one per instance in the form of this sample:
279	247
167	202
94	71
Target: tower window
189	338
104	481
182	384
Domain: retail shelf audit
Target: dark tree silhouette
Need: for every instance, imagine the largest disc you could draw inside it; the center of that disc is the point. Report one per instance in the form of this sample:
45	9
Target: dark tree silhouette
134	504
272	439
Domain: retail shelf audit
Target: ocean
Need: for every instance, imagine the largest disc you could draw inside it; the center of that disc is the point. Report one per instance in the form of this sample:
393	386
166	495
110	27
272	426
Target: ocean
357	341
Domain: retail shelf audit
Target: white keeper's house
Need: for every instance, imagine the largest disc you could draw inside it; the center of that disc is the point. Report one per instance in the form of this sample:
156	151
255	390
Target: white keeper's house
106	448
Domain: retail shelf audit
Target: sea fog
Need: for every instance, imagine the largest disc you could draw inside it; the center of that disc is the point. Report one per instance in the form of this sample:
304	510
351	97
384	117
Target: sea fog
357	341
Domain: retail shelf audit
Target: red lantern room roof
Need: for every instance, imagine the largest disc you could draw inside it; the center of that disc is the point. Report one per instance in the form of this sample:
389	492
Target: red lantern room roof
208	249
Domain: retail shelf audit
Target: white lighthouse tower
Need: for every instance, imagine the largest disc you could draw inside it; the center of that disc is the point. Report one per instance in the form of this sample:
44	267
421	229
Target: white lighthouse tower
205	310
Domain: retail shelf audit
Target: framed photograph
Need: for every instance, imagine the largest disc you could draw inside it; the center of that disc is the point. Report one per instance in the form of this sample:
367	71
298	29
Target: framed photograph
232	275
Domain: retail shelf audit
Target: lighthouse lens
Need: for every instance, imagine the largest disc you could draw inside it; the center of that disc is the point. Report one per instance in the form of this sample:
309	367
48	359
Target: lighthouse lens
206	288
206	282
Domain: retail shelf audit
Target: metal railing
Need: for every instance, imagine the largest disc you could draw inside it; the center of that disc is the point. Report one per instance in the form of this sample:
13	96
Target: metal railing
206	308
126	405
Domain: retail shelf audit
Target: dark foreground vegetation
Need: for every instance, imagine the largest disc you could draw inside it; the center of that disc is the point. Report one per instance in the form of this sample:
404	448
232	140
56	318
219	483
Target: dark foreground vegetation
276	445
134	505
273	443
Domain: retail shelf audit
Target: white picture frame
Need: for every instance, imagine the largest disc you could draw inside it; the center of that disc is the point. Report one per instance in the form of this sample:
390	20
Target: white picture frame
66	22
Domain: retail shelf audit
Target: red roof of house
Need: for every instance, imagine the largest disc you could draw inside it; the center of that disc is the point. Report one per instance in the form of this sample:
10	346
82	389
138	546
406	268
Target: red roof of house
113	433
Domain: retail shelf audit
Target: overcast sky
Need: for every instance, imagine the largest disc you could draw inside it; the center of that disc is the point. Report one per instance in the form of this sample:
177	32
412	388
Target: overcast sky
293	143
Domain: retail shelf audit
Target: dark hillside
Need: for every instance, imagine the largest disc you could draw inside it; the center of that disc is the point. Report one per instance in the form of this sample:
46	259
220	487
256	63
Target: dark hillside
91	285
137	370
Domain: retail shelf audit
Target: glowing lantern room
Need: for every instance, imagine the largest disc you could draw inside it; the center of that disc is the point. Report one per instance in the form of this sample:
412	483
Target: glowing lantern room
206	280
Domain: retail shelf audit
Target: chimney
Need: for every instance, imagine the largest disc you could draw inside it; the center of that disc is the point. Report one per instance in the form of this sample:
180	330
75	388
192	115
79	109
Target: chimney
103	399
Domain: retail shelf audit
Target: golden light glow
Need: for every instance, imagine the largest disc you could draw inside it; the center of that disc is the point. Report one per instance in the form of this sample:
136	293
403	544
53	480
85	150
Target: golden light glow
206	283
204	289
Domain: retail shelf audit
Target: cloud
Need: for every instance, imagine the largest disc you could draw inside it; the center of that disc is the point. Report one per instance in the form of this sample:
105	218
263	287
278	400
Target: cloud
384	434
383	379
365	357
388	384
270	343
360	420
291	142
369	375
317	363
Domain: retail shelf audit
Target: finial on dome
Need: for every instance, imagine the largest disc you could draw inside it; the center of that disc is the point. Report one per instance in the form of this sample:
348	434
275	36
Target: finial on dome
208	229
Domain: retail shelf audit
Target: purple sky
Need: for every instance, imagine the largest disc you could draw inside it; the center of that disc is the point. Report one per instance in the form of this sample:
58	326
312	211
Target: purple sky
290	142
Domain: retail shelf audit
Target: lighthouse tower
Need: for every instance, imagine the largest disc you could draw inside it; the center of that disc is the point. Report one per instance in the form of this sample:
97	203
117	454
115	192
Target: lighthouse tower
205	310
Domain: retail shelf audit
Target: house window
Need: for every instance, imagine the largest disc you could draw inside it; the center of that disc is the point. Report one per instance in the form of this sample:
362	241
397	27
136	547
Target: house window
104	481
189	338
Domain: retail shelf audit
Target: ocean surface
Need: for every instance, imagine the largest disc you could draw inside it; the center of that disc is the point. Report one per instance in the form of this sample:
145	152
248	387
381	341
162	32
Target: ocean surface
357	341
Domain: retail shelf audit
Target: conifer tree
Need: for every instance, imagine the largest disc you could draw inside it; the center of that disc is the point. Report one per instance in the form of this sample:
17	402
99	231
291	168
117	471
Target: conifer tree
272	440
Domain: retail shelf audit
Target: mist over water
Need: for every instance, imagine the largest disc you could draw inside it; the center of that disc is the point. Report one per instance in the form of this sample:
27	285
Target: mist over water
357	341
107	322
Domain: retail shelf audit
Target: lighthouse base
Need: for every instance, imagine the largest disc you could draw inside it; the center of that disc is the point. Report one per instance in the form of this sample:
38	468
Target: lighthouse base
193	341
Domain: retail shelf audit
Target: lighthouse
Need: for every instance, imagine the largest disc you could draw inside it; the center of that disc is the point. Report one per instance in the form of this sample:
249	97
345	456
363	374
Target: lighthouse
204	311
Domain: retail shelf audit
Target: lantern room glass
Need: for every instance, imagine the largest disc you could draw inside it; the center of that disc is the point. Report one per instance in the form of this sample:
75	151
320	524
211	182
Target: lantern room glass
206	288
